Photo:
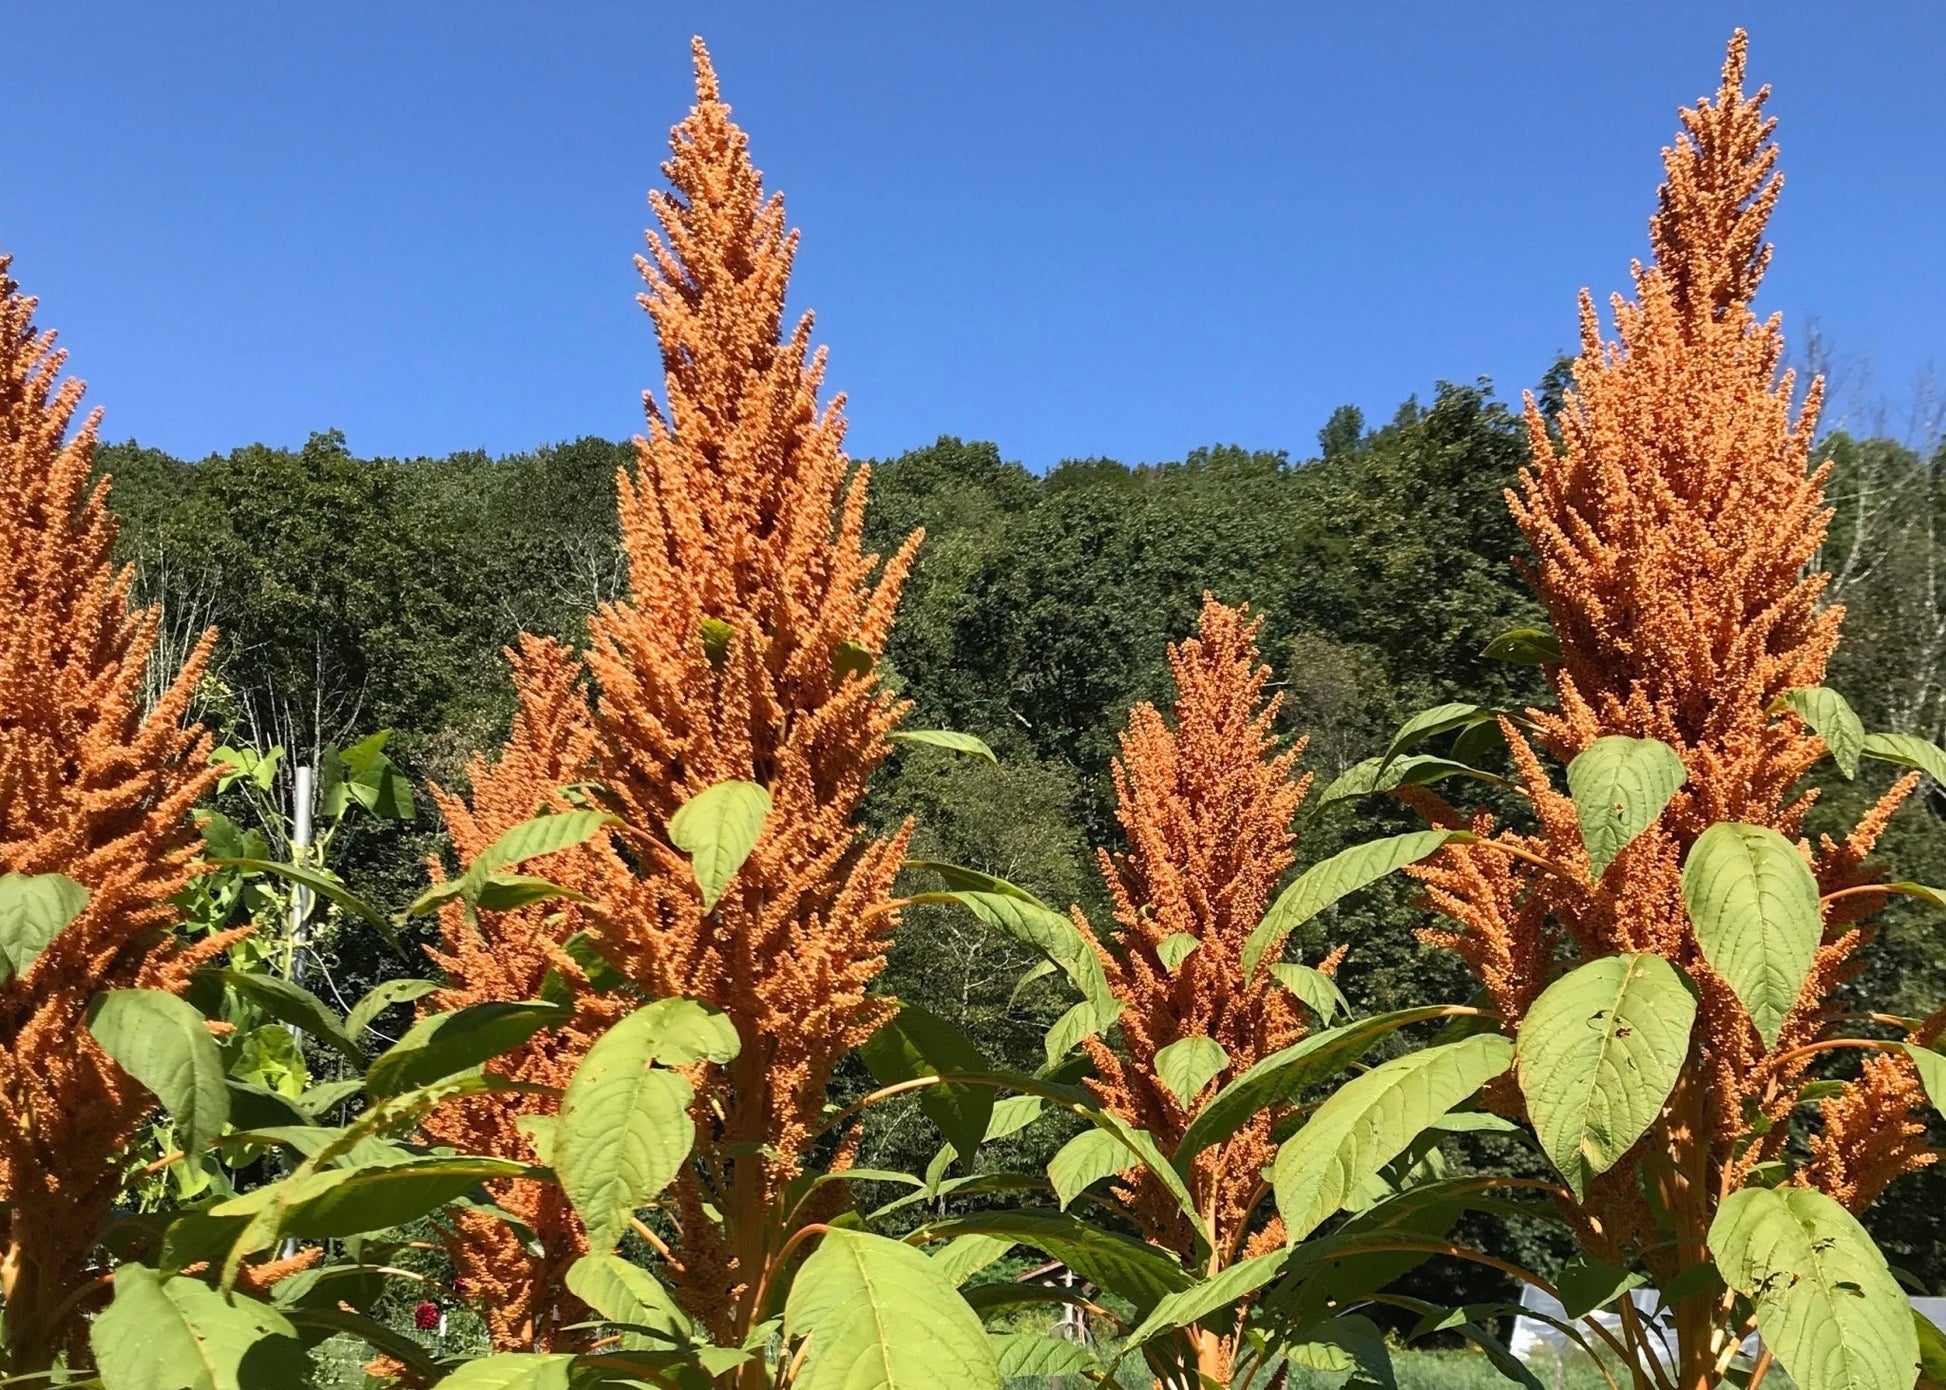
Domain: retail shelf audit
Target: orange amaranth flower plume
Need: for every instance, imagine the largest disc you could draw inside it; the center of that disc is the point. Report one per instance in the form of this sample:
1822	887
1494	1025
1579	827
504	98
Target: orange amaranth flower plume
93	787
745	650
1673	531
1207	806
508	956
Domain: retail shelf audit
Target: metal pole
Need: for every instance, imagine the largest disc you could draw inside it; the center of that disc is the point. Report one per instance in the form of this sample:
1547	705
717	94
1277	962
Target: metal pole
301	796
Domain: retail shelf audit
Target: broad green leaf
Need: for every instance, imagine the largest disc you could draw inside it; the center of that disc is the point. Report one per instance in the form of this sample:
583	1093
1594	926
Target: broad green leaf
1288	1072
541	835
1351	1346
1525	646
1048	932
1318	991
1620	786
335	1203
1826	1303
717	828
1587	1284
1325	882
1198	1301
625	1129
1831	718
878	1315
1129	1268
292	1004
1908	750
1754	904
962	1257
1375	775
444	1044
505	892
1037	1356
958	876
325	884
1598	1054
1085	1160
33	910
1371	1119
917	1043
180	1334
382	997
625	1293
1175	948
164	1043
1187	1065
513	1370
947	739
1931	1067
1432	722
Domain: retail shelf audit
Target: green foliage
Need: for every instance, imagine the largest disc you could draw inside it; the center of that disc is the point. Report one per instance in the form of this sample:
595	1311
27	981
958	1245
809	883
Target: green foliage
1825	1300
175	1333
162	1042
1754	905
33	909
1620	786
717	828
1597	1055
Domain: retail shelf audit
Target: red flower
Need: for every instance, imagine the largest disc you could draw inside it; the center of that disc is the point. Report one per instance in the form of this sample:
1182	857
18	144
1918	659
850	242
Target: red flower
426	1317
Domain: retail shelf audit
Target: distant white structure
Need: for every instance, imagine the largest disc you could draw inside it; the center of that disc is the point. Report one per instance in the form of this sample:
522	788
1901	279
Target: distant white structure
1536	1339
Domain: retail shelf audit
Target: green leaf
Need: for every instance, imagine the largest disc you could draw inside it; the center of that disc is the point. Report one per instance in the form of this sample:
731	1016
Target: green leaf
1587	1284
1325	882
964	1256
1598	1054
1351	1346
1085	1160
1907	750
326	885
1754	904
1037	1356
877	1313
1221	1291
335	1203
505	892
163	1043
1286	1073
180	1334
292	1004
1525	646
363	773
1048	932
1129	1268
1831	718
716	635
717	828
444	1044
1431	723
1175	948
547	834
1317	990
947	739
382	997
1620	786
851	659
1187	1065
916	1043
33	910
513	1370
1826	1303
1932	1073
1375	775
625	1129
957	876
624	1293
1371	1119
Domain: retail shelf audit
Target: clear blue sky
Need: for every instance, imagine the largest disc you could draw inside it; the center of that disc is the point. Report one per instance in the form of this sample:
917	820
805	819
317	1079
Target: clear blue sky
1120	229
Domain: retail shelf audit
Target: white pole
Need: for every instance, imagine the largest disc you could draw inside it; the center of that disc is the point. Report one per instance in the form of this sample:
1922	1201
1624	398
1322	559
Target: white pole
301	795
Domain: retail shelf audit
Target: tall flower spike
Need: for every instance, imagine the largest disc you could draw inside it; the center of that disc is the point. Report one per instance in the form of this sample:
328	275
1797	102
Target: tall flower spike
519	1285
1672	535
93	787
1207	806
746	650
